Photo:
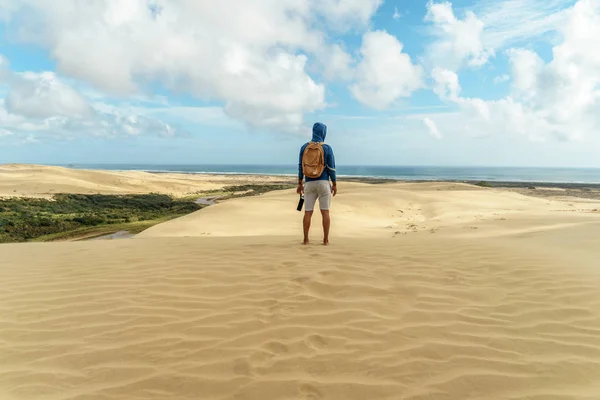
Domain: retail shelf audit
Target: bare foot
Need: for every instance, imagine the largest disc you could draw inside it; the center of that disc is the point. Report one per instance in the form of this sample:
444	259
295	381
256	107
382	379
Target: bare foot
326	242
306	242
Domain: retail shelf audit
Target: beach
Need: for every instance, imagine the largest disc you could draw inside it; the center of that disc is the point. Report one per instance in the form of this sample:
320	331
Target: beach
429	290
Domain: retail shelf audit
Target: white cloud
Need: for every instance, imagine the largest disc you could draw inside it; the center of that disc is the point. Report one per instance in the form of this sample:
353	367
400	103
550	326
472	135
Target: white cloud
513	21
337	63
275	94
488	26
384	73
29	139
447	87
5	132
42	103
346	13
260	67
432	128
459	41
525	65
256	67
558	99
7	7
501	78
5	72
212	116
43	96
397	14
446	84
566	91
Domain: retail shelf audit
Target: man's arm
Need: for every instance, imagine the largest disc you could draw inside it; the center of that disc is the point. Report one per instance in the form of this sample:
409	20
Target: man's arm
300	173
330	165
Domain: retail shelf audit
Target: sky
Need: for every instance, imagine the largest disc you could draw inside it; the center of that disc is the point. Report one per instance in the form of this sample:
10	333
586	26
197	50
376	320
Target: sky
397	82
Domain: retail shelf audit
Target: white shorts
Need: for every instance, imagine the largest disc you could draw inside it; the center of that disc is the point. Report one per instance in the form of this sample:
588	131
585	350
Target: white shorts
314	190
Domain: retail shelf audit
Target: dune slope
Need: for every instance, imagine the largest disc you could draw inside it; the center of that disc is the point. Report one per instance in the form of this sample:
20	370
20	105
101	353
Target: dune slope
388	210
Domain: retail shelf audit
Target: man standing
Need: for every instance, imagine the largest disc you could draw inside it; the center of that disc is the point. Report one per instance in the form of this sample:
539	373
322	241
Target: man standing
317	165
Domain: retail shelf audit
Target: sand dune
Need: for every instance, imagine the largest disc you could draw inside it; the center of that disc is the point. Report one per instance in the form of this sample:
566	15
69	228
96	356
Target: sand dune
429	292
45	181
257	318
388	210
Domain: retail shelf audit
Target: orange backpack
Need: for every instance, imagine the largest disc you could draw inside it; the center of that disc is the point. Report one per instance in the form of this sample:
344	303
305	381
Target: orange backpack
313	160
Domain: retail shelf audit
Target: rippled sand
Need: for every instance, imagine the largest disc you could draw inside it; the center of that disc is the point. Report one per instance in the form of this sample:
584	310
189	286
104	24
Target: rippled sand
467	294
265	318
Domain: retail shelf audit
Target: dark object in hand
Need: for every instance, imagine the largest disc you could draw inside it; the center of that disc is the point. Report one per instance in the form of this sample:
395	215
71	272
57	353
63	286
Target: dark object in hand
300	203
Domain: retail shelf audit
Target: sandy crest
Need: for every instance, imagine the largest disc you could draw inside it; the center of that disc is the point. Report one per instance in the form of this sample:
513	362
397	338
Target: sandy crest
429	292
255	318
18	180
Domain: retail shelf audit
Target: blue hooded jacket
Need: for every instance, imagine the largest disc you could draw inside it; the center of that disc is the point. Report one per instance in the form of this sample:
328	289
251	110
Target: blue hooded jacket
319	133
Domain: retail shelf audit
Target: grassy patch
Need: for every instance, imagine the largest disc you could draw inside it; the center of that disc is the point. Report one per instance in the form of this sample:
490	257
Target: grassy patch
484	184
235	191
72	215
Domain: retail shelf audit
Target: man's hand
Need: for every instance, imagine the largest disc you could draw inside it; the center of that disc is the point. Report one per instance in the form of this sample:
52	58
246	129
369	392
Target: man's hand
300	188
334	189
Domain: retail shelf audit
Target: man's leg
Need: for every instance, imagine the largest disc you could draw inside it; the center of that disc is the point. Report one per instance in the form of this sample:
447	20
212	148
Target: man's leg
324	204
307	218
326	226
310	198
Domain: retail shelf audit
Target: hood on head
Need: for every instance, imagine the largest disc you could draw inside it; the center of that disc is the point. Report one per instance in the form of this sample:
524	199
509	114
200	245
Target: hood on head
319	132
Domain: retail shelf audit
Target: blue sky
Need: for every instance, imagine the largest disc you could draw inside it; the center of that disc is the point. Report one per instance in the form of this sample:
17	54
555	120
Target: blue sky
398	82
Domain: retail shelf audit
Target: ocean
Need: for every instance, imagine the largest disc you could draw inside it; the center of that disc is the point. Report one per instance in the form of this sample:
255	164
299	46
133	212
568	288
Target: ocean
503	174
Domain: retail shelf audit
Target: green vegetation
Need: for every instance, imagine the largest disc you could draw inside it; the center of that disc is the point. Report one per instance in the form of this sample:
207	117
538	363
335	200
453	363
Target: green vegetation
484	184
230	192
77	215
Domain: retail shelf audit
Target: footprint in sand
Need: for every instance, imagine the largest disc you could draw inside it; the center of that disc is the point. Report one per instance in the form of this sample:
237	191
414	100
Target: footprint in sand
264	317
274	310
316	342
264	357
276	348
261	358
